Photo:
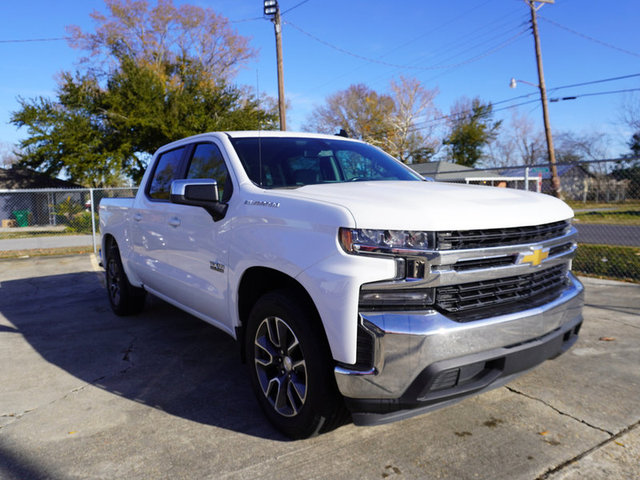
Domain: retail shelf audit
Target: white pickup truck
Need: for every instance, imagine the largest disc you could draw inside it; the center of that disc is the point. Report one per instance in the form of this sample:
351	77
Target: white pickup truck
351	284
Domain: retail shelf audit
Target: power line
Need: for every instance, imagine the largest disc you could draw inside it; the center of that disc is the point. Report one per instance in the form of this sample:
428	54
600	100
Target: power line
597	81
253	19
420	125
460	44
462	114
380	62
587	37
572	97
27	40
464	48
436	29
592	82
473	40
295	6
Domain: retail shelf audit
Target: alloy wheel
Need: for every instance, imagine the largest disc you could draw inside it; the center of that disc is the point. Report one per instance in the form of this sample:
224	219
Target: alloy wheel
280	366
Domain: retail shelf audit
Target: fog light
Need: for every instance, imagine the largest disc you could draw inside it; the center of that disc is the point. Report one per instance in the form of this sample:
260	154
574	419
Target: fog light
396	298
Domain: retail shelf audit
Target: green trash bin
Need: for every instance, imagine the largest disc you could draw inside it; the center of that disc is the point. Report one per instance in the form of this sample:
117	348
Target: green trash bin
22	217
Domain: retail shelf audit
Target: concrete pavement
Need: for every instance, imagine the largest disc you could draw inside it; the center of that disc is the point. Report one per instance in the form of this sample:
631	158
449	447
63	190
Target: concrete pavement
86	394
625	235
57	241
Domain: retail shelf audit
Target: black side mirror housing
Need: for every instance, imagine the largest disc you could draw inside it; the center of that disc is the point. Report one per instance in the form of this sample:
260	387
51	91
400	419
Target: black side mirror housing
201	192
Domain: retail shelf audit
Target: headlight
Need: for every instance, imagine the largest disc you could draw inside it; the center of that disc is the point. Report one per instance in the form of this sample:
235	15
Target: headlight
390	242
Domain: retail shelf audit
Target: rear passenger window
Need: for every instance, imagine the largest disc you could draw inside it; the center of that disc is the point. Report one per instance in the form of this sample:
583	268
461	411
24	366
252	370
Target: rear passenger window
167	170
207	162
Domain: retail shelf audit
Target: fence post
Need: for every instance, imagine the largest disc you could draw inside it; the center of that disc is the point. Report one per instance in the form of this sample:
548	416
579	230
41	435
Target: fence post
539	183
93	222
526	179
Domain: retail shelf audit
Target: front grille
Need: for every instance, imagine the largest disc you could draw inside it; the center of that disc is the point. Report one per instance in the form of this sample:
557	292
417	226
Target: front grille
469	301
498	237
504	261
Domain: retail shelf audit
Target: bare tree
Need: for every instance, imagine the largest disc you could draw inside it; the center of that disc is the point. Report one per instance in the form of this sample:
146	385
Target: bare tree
161	35
519	144
360	111
571	146
529	141
8	155
413	104
502	152
389	121
630	112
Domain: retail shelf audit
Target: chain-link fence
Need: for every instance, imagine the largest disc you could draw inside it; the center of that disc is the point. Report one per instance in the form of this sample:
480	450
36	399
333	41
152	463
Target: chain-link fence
59	220
605	196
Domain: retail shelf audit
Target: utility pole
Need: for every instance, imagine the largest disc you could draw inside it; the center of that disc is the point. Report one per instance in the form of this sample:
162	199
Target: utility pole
555	181
272	9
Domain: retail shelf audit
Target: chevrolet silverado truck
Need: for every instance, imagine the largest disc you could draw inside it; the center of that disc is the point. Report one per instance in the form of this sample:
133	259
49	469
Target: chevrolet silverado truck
352	285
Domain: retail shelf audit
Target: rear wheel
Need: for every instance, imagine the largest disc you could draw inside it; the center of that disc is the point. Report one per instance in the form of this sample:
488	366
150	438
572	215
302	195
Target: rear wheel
125	299
290	367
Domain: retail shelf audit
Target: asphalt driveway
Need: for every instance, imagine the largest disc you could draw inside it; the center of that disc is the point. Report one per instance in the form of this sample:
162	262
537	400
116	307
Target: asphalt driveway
86	394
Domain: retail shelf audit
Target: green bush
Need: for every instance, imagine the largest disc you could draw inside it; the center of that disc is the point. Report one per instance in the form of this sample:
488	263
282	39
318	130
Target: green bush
68	209
81	223
618	263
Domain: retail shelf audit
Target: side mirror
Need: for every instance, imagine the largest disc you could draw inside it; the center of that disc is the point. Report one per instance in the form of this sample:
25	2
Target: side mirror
199	193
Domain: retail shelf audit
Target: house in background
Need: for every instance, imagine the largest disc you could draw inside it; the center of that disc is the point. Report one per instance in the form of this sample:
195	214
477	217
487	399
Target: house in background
578	183
22	208
452	172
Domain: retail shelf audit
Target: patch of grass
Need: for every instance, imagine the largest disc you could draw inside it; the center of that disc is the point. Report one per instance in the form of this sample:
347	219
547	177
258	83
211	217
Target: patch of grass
606	261
628	204
613	217
40	252
39	233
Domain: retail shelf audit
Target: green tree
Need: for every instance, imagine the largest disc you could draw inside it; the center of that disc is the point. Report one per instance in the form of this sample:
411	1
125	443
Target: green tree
471	129
104	125
629	168
634	144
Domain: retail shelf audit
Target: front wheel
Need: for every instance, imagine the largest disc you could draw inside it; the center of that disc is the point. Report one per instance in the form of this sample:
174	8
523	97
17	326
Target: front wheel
290	367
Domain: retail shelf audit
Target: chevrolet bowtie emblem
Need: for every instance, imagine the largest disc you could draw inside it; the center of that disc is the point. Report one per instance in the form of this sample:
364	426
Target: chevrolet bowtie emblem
536	258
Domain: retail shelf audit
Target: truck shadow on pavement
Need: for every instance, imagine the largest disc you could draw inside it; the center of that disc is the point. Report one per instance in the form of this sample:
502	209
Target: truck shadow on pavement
162	358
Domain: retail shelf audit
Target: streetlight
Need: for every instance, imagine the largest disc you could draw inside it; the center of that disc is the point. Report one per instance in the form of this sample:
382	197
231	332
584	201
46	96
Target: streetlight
272	10
514	83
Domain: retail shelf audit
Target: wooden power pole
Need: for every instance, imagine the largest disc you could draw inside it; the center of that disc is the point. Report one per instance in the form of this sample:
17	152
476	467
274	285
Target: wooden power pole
555	180
272	9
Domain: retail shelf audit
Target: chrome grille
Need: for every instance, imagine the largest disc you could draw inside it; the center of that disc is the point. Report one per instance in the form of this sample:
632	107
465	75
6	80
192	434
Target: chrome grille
491	297
499	237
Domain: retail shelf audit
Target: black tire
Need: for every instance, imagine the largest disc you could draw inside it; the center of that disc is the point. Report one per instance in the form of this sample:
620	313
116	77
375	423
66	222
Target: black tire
290	367
125	299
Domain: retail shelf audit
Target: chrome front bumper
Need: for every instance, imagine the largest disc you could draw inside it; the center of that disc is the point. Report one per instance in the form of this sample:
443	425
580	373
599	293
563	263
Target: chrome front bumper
413	348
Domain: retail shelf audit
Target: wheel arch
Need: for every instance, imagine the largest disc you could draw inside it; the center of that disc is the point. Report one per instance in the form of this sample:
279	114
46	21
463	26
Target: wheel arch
107	241
258	281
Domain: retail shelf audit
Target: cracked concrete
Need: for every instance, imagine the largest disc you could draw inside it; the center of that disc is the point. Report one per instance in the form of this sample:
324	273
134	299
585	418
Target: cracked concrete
86	394
513	390
567	469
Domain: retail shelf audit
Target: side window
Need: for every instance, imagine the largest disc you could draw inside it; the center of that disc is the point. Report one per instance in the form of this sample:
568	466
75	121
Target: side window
207	162
167	170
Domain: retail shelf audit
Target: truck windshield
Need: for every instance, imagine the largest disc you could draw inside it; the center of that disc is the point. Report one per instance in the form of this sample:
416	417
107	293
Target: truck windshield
273	162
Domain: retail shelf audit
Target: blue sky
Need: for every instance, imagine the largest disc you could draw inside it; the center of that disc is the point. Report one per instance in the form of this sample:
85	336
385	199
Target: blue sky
462	47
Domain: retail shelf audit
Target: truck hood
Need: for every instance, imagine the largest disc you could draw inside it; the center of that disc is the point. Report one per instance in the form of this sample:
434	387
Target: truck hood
435	206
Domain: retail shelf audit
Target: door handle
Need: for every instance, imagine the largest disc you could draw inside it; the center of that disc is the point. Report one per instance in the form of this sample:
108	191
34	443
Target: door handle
137	217
174	222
